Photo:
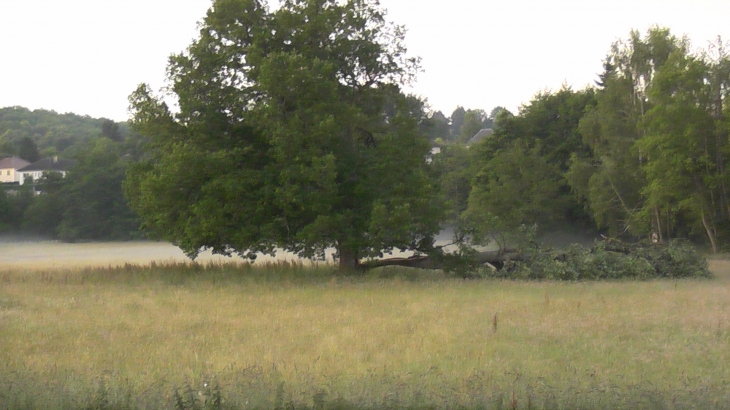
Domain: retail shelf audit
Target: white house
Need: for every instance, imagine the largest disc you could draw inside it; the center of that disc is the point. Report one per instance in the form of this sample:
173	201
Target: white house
9	169
35	171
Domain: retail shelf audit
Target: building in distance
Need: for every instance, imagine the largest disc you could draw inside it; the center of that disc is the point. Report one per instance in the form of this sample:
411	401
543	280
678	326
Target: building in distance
34	171
9	168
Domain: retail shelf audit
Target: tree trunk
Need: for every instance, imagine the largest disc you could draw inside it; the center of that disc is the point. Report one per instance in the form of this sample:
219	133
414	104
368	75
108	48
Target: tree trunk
710	233
348	259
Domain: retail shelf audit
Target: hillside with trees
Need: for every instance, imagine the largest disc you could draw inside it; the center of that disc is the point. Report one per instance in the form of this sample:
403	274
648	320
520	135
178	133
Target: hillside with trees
86	205
42	133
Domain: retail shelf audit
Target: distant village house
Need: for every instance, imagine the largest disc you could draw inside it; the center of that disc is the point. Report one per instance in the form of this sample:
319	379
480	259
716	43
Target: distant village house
35	171
480	136
9	168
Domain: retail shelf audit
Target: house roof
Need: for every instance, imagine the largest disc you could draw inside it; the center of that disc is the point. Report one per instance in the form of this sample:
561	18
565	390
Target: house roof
480	136
13	162
49	164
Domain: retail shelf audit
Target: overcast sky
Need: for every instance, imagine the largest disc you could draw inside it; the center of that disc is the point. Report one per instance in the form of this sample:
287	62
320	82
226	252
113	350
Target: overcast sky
87	56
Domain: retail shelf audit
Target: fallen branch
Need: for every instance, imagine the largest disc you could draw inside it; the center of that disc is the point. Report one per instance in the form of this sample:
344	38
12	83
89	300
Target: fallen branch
422	262
493	258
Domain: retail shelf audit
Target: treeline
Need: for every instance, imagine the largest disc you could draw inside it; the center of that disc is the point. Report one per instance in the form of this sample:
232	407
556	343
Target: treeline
642	153
88	204
460	126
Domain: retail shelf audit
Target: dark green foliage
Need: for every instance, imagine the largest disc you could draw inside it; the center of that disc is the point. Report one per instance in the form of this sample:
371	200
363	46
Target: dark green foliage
455	170
88	204
94	204
27	150
550	120
517	186
457	120
435	127
46	212
495	115
609	260
13	204
7	148
676	259
110	129
520	169
473	122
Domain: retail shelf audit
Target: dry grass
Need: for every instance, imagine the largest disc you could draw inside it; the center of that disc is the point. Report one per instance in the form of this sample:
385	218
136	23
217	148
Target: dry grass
393	337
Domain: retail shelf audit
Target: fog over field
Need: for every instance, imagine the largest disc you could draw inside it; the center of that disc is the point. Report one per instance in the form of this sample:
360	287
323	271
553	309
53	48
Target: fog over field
54	254
28	252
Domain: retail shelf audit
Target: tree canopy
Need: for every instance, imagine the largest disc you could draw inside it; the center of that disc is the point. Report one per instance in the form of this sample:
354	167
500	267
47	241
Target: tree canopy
292	132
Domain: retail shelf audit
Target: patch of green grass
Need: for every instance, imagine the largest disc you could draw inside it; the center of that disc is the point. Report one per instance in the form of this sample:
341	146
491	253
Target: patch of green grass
294	336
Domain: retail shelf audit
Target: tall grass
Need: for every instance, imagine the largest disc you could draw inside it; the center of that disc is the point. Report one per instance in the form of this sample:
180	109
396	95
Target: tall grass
288	335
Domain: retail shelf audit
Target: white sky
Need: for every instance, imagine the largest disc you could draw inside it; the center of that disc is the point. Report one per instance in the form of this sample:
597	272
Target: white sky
87	56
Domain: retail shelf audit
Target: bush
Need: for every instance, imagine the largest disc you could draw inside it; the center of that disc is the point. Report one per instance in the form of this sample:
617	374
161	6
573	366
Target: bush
608	260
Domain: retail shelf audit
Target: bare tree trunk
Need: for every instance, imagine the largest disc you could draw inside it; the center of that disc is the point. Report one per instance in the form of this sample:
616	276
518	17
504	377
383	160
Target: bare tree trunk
710	233
658	224
423	262
427	262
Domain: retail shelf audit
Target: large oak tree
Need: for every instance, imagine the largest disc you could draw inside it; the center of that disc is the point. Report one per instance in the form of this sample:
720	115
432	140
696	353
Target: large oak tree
292	132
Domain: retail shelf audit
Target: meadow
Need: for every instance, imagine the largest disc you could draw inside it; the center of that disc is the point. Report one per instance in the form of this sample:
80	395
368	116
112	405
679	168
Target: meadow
292	335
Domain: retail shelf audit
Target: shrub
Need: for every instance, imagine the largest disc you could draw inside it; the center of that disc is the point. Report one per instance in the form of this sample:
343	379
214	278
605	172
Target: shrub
608	260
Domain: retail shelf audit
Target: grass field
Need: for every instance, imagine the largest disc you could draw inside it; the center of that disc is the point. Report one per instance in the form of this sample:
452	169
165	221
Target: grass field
291	336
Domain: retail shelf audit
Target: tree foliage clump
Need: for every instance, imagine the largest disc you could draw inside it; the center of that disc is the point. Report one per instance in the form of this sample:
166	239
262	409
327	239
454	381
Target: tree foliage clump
608	260
517	186
455	169
12	207
518	174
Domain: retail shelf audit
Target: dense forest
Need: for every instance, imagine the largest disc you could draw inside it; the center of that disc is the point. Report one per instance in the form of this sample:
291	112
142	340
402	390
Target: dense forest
641	153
